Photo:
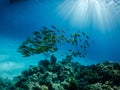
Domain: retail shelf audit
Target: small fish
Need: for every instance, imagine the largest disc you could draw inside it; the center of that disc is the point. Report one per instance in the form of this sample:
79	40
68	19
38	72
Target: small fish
62	30
87	37
39	37
67	40
60	36
78	35
83	56
74	54
70	50
78	53
44	32
81	46
28	40
36	32
80	39
53	27
51	31
45	27
35	39
83	33
86	41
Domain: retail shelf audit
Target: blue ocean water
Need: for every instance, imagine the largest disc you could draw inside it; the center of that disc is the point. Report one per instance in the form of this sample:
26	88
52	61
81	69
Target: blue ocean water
98	18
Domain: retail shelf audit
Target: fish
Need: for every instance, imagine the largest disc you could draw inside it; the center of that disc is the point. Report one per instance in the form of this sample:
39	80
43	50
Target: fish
79	53
28	40
60	36
74	41
81	46
83	56
80	39
74	54
62	30
67	40
44	27
37	34
53	27
78	35
44	32
87	37
86	41
70	50
83	33
80	56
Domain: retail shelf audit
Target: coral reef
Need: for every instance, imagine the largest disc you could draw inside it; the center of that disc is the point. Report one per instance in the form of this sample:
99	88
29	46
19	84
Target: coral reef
65	74
6	84
52	75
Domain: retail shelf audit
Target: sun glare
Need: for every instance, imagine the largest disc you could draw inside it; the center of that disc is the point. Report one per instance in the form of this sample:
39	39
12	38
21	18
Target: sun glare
88	12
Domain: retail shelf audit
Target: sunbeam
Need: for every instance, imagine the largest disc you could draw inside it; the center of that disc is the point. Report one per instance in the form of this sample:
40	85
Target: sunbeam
94	13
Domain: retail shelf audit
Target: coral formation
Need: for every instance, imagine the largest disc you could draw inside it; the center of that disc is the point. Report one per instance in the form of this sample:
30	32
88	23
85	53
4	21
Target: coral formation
66	76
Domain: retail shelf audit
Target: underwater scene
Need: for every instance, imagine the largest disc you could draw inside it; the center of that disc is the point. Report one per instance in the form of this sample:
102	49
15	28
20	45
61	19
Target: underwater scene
60	45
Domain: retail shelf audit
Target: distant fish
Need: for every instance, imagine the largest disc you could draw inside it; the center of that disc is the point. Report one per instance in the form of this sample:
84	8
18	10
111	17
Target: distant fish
37	34
80	39
78	52
53	27
44	27
87	37
83	33
86	41
70	50
83	56
74	54
78	35
81	46
62	30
